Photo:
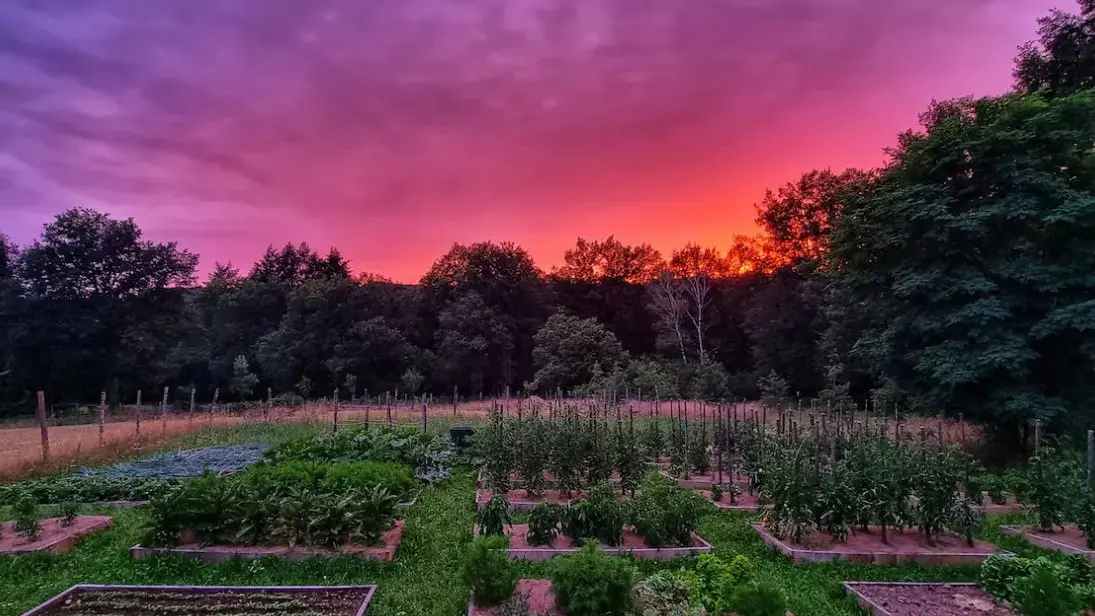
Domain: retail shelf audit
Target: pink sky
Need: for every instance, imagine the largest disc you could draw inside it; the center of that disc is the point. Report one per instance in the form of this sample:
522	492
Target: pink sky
392	129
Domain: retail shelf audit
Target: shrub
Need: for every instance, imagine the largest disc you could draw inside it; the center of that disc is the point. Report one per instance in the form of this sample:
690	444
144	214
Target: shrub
1000	573
601	516
68	511
758	599
1085	515
487	570
543	524
27	517
965	520
493	516
592	584
1044	489
663	594
1046	591
996	488
718	579
716	493
664	514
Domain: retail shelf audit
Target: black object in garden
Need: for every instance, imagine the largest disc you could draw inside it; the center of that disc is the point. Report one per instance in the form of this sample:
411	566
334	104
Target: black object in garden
460	435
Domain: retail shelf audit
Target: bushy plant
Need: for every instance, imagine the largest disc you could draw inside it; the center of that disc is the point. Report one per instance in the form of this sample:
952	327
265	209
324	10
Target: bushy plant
719	579
716	493
965	519
592	584
935	482
837	504
493	516
663	594
791	492
996	488
664	514
1000	574
601	516
68	511
543	524
27	517
629	460
758	599
1084	515
1046	591
487	570
532	453
1044	490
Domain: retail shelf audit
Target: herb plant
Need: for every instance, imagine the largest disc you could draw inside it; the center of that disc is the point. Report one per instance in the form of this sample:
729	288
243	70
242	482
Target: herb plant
487	570
27	517
543	524
664	514
68	512
592	584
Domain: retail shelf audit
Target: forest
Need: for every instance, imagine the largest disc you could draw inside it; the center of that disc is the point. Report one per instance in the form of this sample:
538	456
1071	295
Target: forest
958	278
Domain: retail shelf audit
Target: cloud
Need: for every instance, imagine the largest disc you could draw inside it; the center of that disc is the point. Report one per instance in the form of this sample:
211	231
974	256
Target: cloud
365	118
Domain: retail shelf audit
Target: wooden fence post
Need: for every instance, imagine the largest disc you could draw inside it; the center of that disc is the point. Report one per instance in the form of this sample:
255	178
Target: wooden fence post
335	399
163	408
423	418
190	413
388	399
102	416
213	407
42	424
1090	456
138	412
455	398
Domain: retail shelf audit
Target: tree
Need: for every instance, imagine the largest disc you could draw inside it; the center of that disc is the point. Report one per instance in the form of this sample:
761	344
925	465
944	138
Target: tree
474	346
974	250
668	301
799	216
567	351
412	380
596	261
243	382
293	265
1062	61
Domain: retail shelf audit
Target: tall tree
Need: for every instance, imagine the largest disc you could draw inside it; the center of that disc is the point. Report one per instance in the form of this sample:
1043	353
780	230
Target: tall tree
570	351
600	261
293	265
975	251
1062	60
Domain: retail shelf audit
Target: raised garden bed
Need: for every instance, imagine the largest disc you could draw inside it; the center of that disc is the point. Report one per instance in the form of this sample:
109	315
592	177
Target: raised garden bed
389	543
1069	539
541	600
519	500
520	549
907	547
707	480
925	599
222	460
53	537
743	502
96	599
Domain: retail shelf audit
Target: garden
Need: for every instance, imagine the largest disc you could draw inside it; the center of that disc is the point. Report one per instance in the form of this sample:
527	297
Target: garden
625	534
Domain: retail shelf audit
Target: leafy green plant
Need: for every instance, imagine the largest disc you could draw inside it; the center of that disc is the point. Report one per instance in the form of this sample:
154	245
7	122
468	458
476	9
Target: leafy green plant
663	594
758	599
68	511
543	524
664	514
965	519
1044	490
27	517
1084	515
487	570
493	516
531	453
1046	591
935	482
837	504
996	488
629	460
601	516
653	440
718	580
999	575
592	584
791	492
716	493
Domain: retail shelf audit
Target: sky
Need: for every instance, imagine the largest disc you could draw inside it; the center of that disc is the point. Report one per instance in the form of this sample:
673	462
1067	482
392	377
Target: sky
392	129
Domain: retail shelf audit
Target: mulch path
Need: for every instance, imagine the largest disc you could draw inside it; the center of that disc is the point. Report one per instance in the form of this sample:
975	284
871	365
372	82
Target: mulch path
933	600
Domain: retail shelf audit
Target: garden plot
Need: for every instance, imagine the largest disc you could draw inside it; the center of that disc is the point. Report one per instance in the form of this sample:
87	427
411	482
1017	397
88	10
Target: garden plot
900	548
1068	539
220	460
925	599
54	535
630	543
97	600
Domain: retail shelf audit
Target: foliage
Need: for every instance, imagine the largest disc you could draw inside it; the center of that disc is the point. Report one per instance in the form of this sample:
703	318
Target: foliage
719	580
61	488
427	453
487	570
1000	574
27	517
965	519
758	599
493	517
630	463
532	454
1046	591
663	594
67	512
935	481
600	516
243	381
543	524
716	493
1044	489
1061	61
498	447
589	583
567	349
1084	516
664	514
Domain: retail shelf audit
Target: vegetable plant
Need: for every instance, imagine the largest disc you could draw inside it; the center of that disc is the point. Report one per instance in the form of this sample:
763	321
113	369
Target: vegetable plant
27	517
493	516
716	493
532	453
543	524
68	512
1045	591
487	570
592	584
1044	490
664	514
965	519
601	516
758	599
935	482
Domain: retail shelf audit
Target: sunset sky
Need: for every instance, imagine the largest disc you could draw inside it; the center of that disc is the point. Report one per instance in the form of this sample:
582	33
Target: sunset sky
393	128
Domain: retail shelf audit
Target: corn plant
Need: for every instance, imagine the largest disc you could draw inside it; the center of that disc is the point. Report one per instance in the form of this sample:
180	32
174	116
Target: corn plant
837	504
653	440
599	454
791	492
888	498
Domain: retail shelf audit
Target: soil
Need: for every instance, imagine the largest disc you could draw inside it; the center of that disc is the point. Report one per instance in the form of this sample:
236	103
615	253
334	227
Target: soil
538	593
518	540
932	600
744	501
908	541
384	551
711	478
521	496
154	601
1070	535
53	537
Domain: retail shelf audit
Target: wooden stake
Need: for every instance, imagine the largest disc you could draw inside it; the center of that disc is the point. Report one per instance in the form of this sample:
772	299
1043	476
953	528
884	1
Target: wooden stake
102	416
1090	456
138	412
42	425
163	409
335	398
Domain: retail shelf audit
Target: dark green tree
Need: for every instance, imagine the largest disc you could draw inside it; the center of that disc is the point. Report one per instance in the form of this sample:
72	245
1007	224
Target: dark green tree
1062	60
569	351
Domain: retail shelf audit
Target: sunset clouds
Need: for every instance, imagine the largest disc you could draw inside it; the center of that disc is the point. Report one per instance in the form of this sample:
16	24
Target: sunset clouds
393	128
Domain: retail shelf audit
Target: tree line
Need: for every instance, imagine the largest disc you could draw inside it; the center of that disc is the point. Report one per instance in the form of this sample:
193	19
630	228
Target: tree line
959	277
